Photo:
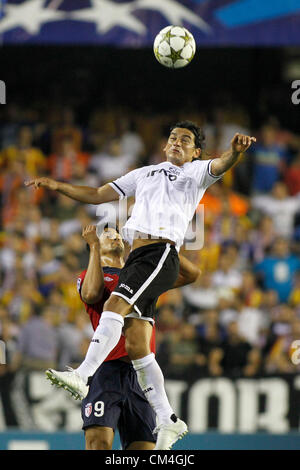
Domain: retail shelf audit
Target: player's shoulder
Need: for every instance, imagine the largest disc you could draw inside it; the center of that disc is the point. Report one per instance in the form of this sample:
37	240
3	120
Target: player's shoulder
196	166
139	172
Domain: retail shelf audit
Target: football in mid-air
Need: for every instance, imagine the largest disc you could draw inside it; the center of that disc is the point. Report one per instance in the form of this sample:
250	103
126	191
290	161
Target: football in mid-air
174	47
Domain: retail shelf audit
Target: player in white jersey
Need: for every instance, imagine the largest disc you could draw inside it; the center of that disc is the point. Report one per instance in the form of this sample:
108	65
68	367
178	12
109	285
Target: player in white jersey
166	196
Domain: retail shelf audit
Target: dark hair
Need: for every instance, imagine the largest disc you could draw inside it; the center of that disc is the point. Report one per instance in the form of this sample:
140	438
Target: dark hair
196	130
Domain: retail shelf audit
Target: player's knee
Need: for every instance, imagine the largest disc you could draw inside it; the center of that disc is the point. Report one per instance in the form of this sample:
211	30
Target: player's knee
96	440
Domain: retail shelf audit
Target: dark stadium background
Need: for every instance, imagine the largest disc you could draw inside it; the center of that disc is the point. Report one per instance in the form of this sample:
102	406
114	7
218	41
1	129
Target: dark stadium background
88	76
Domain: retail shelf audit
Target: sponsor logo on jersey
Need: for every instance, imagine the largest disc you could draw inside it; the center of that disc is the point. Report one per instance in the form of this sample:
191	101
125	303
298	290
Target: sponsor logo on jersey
167	173
149	389
88	409
127	288
108	279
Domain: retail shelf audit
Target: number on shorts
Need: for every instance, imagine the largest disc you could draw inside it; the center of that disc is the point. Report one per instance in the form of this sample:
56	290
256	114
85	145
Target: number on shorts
99	409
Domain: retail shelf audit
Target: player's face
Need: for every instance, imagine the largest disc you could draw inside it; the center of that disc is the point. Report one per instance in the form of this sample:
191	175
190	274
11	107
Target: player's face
180	147
111	241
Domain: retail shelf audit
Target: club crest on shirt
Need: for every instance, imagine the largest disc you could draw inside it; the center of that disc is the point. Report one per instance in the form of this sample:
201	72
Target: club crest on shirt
176	171
88	409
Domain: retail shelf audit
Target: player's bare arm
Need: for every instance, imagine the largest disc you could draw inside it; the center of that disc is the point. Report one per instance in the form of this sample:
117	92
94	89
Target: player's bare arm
84	194
93	284
239	144
188	272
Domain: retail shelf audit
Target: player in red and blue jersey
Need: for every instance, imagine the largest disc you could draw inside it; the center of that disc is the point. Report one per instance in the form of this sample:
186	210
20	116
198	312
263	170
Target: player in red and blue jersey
115	398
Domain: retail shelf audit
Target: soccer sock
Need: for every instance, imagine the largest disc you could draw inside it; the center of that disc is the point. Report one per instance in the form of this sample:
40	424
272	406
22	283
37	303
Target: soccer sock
151	380
105	338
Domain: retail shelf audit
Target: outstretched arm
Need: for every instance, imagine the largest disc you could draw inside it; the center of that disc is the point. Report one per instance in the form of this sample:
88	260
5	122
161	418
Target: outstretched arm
239	144
188	272
93	283
80	193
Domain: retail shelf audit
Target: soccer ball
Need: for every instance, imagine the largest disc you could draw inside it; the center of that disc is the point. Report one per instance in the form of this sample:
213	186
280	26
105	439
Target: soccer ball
174	47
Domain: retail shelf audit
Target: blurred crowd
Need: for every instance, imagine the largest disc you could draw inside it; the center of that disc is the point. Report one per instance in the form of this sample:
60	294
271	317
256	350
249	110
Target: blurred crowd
241	316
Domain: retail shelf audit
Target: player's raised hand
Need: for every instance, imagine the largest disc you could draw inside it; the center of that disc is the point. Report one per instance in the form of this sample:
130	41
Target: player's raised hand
89	234
240	142
42	182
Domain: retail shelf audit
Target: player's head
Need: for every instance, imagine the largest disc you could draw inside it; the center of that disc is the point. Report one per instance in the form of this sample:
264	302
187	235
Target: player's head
111	242
185	143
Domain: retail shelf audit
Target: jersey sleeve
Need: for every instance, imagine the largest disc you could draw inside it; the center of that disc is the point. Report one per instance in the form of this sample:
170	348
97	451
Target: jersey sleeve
202	171
125	186
80	280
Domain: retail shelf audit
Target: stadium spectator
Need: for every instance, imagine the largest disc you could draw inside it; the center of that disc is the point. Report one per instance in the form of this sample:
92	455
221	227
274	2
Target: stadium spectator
226	275
62	165
21	298
167	320
281	207
262	238
49	268
278	269
111	162
131	141
238	357
183	353
292	176
37	226
211	336
71	336
294	298
207	258
284	330
269	159
201	294
250	293
24	151
66	128
10	126
37	341
251	322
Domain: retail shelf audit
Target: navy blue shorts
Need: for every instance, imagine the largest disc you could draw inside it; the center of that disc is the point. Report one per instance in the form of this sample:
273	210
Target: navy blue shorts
115	400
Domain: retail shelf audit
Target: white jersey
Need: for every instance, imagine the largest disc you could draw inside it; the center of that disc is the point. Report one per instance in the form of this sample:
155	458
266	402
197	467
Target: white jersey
166	197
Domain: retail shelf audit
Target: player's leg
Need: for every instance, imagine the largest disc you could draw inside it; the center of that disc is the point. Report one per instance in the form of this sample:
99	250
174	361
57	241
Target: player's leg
137	419
99	438
101	408
151	380
137	343
105	337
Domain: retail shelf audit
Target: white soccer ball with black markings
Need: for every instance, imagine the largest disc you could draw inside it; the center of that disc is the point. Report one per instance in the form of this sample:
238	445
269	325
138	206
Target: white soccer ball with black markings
174	47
